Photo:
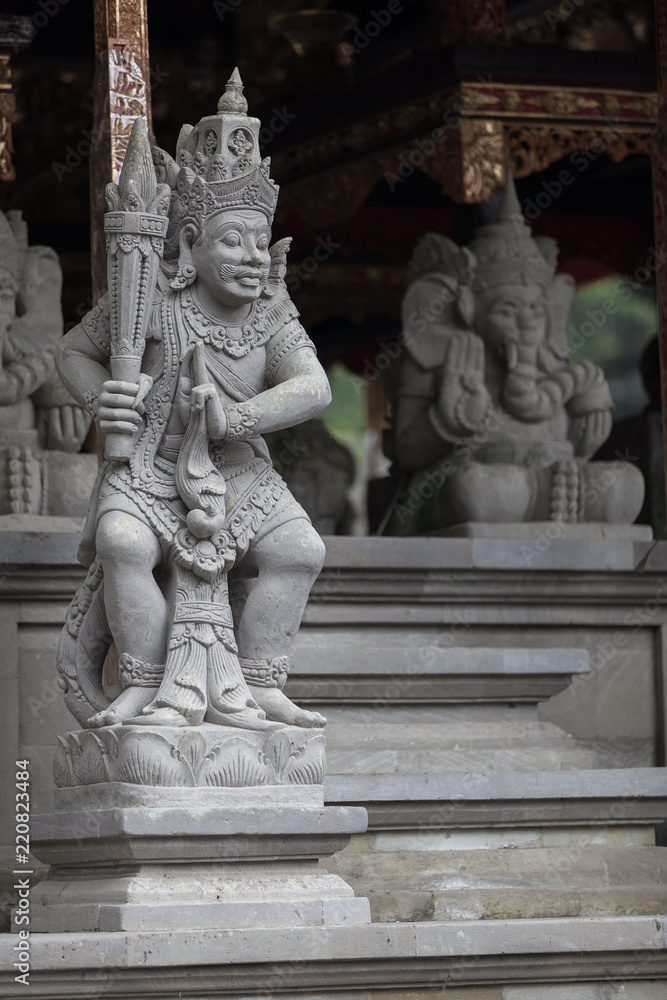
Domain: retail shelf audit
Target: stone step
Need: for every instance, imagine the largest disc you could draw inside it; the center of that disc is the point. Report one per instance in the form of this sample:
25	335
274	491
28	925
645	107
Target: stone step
506	868
623	797
430	673
461	959
531	904
417	734
486	756
508	883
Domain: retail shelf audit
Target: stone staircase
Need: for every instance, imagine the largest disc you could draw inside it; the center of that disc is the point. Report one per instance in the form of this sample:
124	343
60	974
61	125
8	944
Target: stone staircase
478	808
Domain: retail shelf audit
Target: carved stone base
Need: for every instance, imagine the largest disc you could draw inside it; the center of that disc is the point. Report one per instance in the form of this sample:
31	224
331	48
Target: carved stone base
203	756
199	896
227	835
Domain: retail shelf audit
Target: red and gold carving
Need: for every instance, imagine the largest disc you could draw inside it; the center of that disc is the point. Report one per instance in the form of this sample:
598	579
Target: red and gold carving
121	94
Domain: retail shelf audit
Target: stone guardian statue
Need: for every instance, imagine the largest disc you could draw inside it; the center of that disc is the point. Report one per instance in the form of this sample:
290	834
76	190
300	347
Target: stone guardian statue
200	560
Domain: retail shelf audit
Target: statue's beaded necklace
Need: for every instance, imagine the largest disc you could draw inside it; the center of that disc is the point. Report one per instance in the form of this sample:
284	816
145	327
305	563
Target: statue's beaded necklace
237	340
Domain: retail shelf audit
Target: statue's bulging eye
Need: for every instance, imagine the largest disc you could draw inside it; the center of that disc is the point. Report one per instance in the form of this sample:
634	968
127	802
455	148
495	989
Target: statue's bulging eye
231	239
262	243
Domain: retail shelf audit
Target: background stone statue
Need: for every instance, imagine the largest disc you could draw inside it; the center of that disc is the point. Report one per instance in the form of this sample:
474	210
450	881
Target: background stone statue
41	425
492	420
319	471
201	561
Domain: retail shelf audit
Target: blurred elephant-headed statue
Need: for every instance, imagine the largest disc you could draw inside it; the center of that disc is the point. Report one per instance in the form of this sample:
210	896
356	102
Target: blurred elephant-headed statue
493	422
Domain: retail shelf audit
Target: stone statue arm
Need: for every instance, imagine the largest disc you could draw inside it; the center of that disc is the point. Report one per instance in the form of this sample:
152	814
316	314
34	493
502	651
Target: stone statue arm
437	410
590	416
20	378
300	392
81	366
530	396
62	423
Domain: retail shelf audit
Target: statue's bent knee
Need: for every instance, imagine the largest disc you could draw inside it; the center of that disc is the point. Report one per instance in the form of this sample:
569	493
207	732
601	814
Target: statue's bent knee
480	492
612	492
123	540
310	552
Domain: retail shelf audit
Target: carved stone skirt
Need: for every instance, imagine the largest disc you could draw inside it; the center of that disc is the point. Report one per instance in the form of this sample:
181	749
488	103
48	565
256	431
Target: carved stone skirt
258	502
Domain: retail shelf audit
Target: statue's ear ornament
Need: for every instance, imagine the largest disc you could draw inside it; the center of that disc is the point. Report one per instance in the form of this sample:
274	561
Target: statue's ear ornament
185	275
437	254
278	267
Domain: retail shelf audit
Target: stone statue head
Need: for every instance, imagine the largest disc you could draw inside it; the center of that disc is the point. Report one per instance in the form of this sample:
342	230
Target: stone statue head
222	205
30	289
503	286
514	273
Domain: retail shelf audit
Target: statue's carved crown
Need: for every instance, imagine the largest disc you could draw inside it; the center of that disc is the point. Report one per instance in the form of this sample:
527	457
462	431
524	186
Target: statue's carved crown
506	251
218	165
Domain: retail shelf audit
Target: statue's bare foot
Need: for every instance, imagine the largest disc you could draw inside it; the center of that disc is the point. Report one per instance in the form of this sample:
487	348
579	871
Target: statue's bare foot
161	717
279	708
130	702
247	718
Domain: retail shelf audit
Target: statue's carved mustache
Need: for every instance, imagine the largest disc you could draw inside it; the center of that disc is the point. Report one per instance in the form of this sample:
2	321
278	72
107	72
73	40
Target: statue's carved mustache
230	272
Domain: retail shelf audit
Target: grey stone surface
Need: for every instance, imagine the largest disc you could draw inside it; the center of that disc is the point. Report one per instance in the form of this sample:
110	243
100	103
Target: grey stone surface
551	531
254	961
216	896
624	797
491	419
228	857
538	553
521	882
352	674
398	594
225	829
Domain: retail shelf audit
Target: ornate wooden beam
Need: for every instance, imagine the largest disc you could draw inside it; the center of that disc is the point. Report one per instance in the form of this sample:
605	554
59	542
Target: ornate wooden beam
121	94
463	137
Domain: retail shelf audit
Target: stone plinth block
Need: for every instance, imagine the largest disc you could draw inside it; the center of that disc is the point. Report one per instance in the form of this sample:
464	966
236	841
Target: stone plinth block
204	756
552	531
206	826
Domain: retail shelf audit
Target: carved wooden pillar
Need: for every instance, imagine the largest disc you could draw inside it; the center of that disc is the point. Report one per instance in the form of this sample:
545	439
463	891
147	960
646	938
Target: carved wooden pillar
16	33
121	94
660	201
472	22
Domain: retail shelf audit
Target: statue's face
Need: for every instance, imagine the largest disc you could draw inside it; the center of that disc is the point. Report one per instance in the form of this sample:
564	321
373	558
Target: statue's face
7	301
231	256
513	313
